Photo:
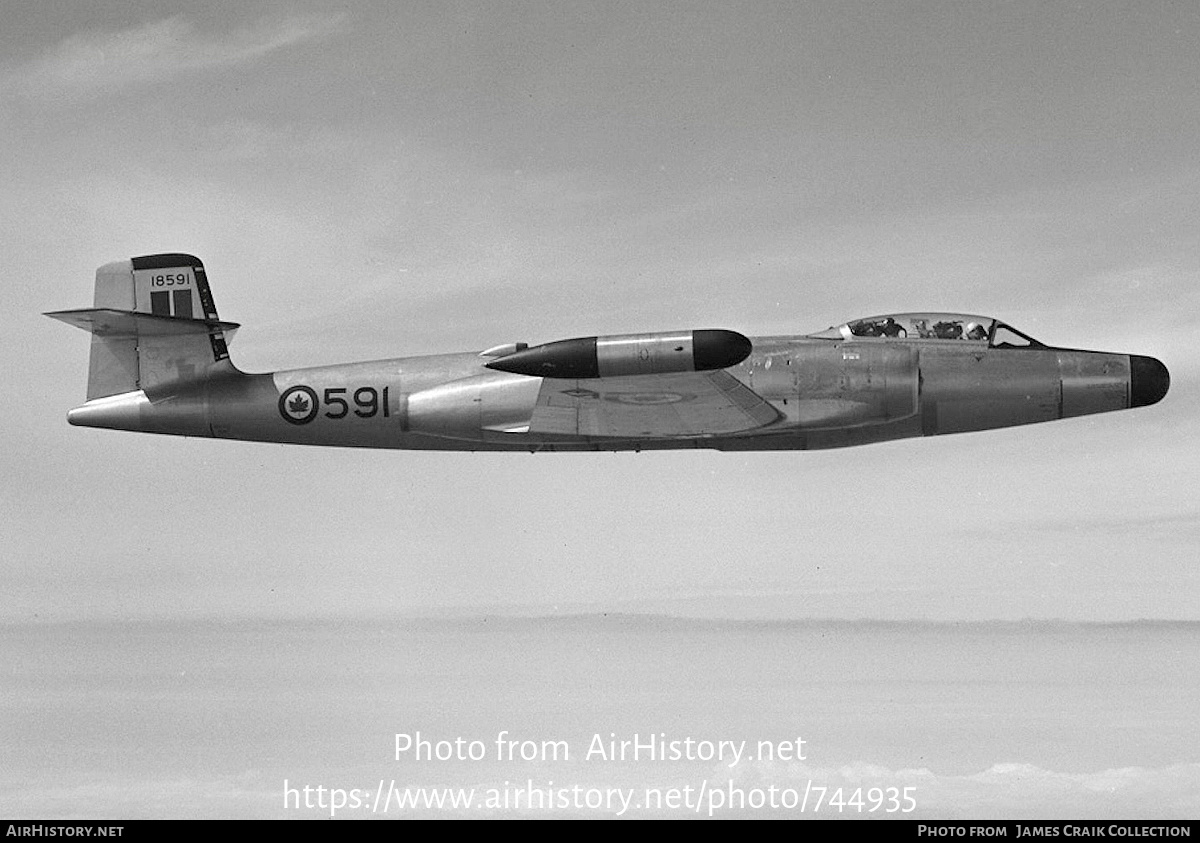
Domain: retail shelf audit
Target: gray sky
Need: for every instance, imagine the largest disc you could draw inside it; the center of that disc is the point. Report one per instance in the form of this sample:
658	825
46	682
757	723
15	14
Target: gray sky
378	179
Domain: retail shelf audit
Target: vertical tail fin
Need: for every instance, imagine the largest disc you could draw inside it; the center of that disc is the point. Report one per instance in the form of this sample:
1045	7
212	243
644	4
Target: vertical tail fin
153	326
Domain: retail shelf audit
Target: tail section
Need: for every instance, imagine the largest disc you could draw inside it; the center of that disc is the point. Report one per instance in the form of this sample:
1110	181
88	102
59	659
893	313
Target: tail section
154	327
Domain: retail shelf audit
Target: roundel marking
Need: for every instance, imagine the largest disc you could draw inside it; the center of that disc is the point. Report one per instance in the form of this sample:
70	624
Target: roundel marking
298	405
648	398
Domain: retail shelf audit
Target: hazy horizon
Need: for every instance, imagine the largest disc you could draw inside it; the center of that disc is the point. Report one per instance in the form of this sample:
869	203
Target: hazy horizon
1002	721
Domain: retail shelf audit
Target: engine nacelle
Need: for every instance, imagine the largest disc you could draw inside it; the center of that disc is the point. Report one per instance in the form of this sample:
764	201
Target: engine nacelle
471	407
629	354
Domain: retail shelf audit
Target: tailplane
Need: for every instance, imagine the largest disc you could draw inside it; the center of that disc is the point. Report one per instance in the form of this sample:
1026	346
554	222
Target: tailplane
154	326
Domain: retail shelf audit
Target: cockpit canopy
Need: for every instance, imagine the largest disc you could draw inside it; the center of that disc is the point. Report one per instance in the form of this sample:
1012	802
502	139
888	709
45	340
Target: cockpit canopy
934	327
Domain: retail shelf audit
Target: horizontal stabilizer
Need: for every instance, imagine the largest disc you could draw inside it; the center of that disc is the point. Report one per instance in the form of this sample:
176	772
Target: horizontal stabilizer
109	322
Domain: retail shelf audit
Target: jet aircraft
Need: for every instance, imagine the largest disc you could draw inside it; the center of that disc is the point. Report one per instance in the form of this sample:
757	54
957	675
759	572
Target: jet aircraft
160	364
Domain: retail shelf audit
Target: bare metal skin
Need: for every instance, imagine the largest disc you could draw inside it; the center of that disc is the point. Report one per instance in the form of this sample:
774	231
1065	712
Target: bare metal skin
159	364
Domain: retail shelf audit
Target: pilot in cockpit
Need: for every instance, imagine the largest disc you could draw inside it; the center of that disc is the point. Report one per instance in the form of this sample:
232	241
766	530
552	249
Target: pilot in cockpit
975	331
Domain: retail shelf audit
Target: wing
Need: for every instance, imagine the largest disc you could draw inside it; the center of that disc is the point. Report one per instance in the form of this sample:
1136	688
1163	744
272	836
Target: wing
682	404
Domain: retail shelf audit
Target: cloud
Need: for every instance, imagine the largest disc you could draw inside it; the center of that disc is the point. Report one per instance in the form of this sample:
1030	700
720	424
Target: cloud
1003	791
90	64
245	796
1011	791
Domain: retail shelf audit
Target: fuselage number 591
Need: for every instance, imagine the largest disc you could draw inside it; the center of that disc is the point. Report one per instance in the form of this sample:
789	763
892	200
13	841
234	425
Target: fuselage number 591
300	404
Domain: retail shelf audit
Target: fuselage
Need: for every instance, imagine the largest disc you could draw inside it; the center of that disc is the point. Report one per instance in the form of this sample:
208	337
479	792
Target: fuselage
160	363
829	391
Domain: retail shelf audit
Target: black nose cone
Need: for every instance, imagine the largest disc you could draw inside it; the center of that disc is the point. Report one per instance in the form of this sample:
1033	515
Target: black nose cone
1149	381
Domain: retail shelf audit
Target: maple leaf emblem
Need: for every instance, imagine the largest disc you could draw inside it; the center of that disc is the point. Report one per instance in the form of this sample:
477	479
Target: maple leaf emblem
298	405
